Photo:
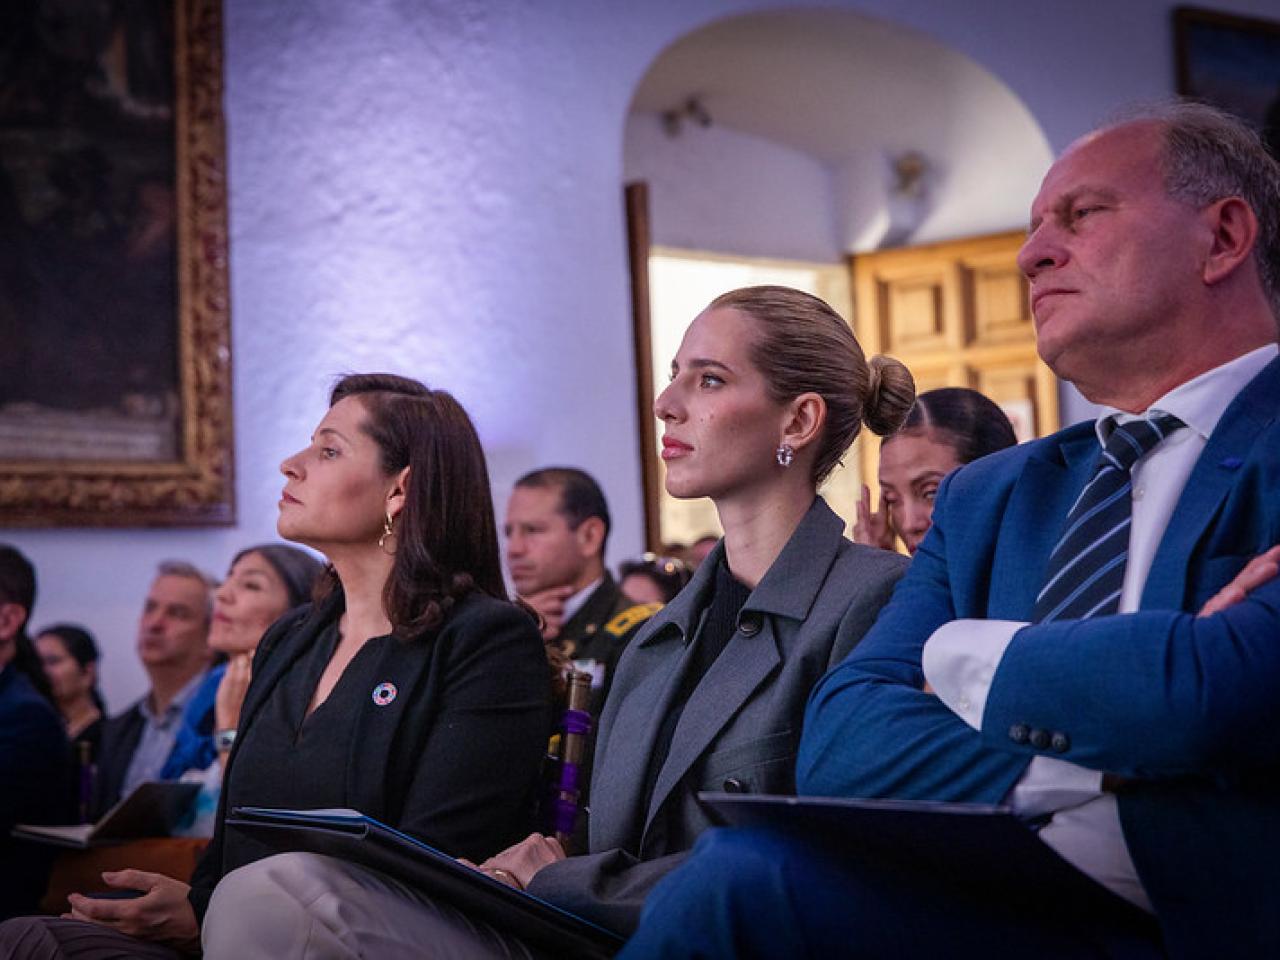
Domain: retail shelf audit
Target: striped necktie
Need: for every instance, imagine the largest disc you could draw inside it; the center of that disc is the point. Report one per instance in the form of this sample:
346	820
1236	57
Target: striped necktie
1086	568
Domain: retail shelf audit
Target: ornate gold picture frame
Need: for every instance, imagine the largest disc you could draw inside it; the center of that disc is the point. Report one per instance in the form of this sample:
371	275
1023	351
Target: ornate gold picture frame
115	341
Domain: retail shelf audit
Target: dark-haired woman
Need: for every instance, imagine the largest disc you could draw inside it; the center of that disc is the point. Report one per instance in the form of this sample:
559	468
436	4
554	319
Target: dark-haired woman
70	659
413	690
945	429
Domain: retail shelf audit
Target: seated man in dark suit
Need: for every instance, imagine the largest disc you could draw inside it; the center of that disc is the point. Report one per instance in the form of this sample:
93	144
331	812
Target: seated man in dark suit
34	762
1044	650
172	634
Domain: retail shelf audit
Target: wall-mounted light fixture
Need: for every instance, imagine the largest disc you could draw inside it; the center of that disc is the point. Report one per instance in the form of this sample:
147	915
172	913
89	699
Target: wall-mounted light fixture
692	110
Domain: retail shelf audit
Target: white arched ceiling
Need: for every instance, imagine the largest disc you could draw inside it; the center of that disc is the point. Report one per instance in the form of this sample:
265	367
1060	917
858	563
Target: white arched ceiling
808	107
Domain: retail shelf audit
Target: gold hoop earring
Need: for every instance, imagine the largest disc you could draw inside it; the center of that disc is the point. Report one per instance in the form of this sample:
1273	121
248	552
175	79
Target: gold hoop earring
388	531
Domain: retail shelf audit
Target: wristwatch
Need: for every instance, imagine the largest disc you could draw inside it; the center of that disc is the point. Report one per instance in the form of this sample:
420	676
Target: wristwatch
223	740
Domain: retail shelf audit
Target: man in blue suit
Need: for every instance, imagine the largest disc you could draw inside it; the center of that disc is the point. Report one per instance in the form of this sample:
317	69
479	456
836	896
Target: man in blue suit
1044	650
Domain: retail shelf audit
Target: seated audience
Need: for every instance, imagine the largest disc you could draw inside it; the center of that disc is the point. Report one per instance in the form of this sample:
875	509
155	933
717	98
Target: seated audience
34	763
138	745
653	579
70	660
768	390
1063	642
412	690
945	429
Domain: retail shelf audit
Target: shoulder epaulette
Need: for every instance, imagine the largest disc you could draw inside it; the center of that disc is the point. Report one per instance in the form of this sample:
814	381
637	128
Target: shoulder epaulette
630	618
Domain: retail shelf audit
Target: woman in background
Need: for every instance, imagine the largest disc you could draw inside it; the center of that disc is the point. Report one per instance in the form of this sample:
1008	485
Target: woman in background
412	689
945	429
70	659
653	579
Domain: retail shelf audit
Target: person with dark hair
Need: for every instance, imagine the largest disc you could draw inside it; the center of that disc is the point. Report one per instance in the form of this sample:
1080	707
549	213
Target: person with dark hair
138	744
768	391
944	429
70	660
34	763
1088	634
411	689
653	579
556	528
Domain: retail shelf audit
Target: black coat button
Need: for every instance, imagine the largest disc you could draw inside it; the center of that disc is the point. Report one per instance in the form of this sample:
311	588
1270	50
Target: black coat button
734	785
1019	733
1039	738
1060	743
749	624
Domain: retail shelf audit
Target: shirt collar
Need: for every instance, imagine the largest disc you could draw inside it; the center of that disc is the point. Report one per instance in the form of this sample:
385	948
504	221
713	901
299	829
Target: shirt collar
1201	401
575	602
176	705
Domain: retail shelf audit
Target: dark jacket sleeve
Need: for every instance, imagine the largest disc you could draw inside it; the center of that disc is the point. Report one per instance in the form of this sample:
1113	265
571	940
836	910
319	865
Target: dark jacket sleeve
478	768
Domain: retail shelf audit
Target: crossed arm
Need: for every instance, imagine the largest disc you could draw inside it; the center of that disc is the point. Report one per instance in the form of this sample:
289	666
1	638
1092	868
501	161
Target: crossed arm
1148	694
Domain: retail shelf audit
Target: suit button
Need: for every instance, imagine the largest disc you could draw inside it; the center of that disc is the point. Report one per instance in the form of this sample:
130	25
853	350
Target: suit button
734	785
749	624
1060	743
1019	733
1040	739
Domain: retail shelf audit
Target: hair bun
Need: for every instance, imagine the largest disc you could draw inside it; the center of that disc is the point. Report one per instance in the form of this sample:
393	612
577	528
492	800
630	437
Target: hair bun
890	392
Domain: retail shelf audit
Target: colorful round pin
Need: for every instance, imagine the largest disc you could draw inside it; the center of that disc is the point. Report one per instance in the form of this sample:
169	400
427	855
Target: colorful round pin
384	693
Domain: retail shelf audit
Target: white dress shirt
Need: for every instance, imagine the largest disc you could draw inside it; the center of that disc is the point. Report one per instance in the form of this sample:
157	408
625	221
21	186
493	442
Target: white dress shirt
961	657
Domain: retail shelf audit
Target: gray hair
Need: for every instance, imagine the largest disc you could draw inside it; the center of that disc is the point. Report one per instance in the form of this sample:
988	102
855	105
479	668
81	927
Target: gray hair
1208	155
181	568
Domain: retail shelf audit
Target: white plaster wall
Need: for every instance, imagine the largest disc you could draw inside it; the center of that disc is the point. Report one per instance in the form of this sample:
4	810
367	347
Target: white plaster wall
730	192
433	187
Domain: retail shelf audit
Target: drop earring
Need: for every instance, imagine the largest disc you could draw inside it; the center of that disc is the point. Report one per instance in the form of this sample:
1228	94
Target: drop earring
785	454
388	532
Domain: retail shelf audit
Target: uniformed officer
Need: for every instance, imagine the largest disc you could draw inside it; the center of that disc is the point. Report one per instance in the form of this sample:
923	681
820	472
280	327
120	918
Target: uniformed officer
556	528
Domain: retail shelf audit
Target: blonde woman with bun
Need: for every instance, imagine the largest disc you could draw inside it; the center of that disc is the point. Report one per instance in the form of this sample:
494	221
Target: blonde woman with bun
767	393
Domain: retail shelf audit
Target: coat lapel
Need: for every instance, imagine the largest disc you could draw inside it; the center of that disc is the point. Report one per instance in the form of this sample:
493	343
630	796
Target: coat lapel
401	667
787	592
308	626
1207	487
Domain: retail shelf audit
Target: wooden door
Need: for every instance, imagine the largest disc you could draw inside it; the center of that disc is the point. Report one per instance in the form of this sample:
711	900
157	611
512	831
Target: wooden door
957	314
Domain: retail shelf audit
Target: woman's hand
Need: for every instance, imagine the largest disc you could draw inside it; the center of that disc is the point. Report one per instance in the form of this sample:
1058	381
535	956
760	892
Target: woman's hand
872	527
1256	572
231	691
517	865
162	913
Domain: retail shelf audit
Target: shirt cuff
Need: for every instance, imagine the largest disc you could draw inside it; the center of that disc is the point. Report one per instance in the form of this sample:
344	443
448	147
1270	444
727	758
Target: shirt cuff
960	660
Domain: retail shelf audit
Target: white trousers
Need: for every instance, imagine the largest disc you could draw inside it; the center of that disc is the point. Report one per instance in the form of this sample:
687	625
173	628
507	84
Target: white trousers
304	906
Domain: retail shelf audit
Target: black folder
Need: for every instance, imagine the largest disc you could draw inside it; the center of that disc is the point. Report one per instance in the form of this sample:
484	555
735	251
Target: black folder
350	835
912	836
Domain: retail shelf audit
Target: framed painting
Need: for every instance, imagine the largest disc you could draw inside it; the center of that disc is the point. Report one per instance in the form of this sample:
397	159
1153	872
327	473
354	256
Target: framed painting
1232	62
115	352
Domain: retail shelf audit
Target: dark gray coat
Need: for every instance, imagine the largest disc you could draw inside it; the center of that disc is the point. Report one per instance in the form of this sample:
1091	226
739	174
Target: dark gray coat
741	726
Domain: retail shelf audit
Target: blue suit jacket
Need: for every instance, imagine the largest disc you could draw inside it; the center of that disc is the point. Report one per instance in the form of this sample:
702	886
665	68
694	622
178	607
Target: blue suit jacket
1187	706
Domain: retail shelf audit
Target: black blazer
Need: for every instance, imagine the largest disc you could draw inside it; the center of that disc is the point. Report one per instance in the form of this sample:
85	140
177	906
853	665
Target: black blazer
453	760
120	736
